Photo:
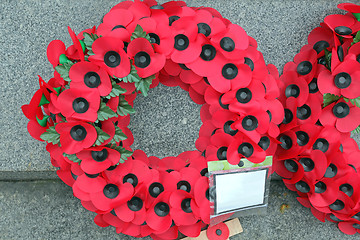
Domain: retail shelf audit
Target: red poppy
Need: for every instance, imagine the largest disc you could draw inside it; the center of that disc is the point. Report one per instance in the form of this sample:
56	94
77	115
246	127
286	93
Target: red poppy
321	38
146	61
350	7
183	208
343	80
342	25
344	116
79	104
328	141
309	112
170	163
218	232
208	25
294	86
271	85
134	209
349	184
305	64
192	231
186	41
231	42
158	215
349	227
325	193
55	49
214	99
98	159
288	147
290	117
201	195
218	147
87	75
206	131
108	127
76	51
115	24
75	136
110	55
85	184
353	53
343	205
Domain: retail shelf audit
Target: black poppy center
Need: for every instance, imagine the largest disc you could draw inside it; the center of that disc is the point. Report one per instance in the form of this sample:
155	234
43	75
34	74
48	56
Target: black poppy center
99	156
142	59
184	185
186	206
92	175
135	204
224	106
111	191
313	87
112	59
172	19
320	187
132	179
307	163
207	194
208	52
303	112
320	45
331	171
155	189
342	80
154	38
181	42
92	79
162	209
291	165
337	205
302	186
250	63
227	44
264	142
341	110
228	129
229	71
286	142
347	189
304	68
246	149
321	144
80	105
288	116
78	133
118	26
340	52
243	95
358	58
249	123
218	232
343	30
356	226
157	7
204	172
204	29
302	138
221	153
292	91
334	218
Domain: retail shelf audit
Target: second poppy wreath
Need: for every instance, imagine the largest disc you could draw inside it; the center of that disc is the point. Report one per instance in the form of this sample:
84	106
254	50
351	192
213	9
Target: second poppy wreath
320	91
82	113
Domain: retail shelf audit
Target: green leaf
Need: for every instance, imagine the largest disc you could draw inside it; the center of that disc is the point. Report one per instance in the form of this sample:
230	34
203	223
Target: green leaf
328	59
356	39
72	157
119	136
131	77
139	33
329	98
104	112
89	40
64	69
124	108
144	85
356	130
355	101
101	136
51	136
116	90
124	154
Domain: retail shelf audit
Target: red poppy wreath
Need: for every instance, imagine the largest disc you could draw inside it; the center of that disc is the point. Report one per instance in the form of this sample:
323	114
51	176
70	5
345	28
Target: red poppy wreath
84	110
320	91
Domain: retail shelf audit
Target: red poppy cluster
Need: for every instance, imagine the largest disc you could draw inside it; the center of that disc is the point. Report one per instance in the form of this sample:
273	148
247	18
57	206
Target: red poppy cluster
83	112
320	92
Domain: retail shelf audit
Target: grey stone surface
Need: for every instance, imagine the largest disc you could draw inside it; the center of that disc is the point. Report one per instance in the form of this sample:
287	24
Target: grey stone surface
280	27
48	210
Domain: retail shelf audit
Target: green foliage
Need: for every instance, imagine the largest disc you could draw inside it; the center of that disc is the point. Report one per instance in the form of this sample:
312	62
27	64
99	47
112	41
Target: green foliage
89	40
124	154
116	90
139	33
144	85
119	136
356	39
104	112
72	157
64	69
356	130
328	59
132	77
124	108
355	101
51	136
101	136
329	98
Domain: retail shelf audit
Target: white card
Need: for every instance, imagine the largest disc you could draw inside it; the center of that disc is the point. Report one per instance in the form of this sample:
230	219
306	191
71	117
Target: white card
235	191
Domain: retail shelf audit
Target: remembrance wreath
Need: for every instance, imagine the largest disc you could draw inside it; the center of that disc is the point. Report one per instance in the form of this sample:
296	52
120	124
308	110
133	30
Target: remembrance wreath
84	110
320	91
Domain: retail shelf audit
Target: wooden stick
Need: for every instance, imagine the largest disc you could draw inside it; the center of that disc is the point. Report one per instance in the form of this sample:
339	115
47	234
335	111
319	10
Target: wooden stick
233	225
